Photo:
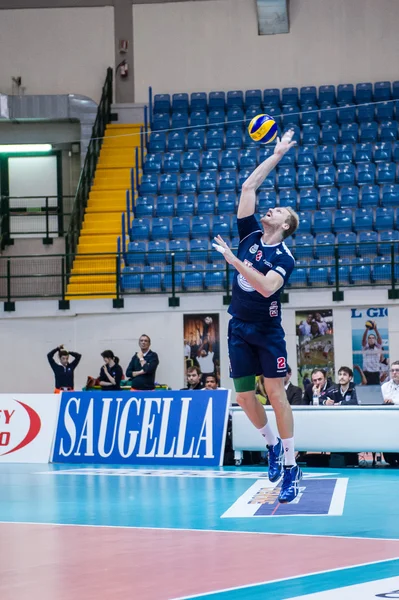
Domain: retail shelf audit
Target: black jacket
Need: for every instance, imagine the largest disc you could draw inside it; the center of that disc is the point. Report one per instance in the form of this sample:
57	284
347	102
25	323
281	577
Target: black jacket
308	393
147	380
63	375
334	393
115	372
198	386
294	394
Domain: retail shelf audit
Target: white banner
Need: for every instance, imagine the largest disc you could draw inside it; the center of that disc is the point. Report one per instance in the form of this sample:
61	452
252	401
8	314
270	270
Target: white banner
27	427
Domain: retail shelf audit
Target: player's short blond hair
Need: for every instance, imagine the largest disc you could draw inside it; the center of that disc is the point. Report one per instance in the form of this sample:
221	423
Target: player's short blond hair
293	222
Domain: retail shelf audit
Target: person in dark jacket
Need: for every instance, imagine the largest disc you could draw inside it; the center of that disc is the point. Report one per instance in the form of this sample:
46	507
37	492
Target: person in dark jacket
319	384
64	372
294	393
342	394
142	368
111	373
194	379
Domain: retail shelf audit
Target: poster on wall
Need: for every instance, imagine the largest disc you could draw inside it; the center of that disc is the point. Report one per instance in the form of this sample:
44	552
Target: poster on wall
202	344
315	343
370	345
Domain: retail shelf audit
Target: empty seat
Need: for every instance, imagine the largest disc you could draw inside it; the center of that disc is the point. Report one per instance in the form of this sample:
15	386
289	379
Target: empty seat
386	172
382	152
269	182
136	253
289	95
234	137
206	203
343	220
221	226
169	276
343	272
326	93
322	221
288	159
215	139
325	245
384	111
229	159
382	270
308	95
200	226
384	218
396	151
388	239
349	133
365	113
176	141
156	252
368	131
145	206
363	152
365	173
308	199
370	195
395	89
318	273
388	131
306	177
160	121
346	243
235	116
207	181
179	120
266	200
290	115
140	229
382	91
168	183
349	197
235	98
226	203
165	205
326	176
199	250
160	228
216	118
253	98
305	156
180	102
210	160
196	139
286	177
343	153
180	228
364	92
328	198
363	219
162	103
248	158
288	198
346	114
390	195
271	97
149	184
180	250
299	276
325	155
305	222
152	163
157	142
185	205
188	183
191	161
217	100
228	181
198	101
215	278
361	272
345	93
329	133
345	174
328	114
304	246
309	114
310	134
171	162
131	279
367	243
243	176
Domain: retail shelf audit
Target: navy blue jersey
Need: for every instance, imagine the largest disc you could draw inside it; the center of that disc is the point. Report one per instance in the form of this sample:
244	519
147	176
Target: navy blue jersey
248	304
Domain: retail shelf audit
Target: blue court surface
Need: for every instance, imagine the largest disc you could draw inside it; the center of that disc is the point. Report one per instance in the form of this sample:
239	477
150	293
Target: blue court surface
161	534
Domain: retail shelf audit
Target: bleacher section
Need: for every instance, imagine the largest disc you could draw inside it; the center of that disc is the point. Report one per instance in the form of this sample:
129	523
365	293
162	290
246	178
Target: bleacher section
342	178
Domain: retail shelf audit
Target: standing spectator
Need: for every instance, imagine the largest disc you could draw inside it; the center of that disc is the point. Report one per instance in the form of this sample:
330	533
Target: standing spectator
143	366
193	379
371	350
317	387
64	372
205	358
111	373
342	394
390	389
294	393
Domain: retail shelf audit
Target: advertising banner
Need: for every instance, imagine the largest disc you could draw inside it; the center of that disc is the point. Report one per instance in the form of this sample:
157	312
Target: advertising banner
27	425
146	428
370	345
315	343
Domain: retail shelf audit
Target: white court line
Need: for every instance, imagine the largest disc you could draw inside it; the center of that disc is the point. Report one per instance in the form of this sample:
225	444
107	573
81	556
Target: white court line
338	498
310	535
252	585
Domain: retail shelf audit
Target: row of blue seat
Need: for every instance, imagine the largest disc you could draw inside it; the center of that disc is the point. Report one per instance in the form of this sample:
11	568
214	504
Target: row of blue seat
235	137
344	94
249	158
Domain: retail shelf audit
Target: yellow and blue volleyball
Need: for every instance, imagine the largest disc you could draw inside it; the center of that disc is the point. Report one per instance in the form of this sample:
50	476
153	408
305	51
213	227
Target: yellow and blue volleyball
263	129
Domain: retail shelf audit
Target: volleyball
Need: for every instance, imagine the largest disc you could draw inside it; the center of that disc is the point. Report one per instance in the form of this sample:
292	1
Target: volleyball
208	320
369	324
263	129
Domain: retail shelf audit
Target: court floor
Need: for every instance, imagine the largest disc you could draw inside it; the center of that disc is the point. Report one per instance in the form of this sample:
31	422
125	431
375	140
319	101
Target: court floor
103	532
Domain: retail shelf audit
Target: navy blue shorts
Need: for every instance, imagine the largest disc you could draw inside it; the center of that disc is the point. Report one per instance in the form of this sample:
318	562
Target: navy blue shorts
256	349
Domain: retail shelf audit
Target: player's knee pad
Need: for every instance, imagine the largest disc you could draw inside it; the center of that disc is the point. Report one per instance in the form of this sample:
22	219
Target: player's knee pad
244	384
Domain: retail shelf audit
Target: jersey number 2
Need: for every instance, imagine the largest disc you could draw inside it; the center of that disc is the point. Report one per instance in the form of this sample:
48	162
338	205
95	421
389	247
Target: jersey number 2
281	362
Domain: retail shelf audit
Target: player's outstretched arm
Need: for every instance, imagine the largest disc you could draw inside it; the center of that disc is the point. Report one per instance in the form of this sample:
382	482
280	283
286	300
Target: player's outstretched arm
246	207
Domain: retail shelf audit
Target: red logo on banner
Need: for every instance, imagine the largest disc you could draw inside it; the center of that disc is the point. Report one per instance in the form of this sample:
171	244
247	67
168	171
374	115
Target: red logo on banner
31	434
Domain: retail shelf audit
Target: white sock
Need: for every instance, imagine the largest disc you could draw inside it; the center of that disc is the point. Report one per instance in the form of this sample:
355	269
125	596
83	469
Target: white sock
289	452
269	435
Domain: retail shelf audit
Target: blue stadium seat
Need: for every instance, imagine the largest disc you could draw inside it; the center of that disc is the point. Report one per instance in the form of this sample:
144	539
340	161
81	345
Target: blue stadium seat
160	228
234	137
215	278
206	204
382	272
318	273
176	141
367	243
343	220
243	176
145	206
325	155
346	114
305	222
345	93
363	152
365	173
363	219
179	120
226	203
306	177
199	251
217	100
387	238
305	156
193	278
253	98
288	198
343	272
185	205
328	114
308	95
270	182
207	181
326	94
382	91
228	181
200	226
235	117
349	197
328	198
386	172
248	158
235	99
322	221
346	243
188	183
308	199
162	103
382	152
216	118
384	112
265	152
180	102
361	272
168	183
165	205
388	131
180	228
299	276
171	162
288	159
180	249
167	278
210	160
310	114
131	279
329	133
290	115
156	252
343	153
160	122
140	229
286	177
345	174
221	226
196	139
198	101
390	195
396	152
266	200
370	195
229	159
149	184
304	246
153	163
368	131
326	176
157	142
364	93
349	133
365	113
136	253
325	245
215	139
289	95
395	90
384	218
310	134
191	161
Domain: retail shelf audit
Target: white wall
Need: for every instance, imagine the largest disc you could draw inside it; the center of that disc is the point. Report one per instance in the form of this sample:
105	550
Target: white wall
197	46
57	51
93	326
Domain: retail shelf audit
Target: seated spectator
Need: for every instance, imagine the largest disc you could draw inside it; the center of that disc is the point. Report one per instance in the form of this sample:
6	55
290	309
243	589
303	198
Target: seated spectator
390	389
111	373
317	387
211	383
294	393
193	379
64	372
342	394
143	366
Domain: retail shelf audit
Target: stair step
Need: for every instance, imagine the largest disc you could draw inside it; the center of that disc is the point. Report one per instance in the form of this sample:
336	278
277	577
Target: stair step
101	229
123	126
112	163
91	288
92	278
109	186
108	217
103	208
102	266
105	195
88	297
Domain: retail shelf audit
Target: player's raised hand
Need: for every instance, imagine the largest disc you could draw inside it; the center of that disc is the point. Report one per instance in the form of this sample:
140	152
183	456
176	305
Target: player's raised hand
221	246
285	143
